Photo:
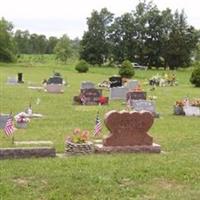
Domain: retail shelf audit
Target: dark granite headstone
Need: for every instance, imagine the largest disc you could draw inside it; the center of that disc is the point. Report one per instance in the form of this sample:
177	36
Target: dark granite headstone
91	96
115	81
20	78
136	95
55	80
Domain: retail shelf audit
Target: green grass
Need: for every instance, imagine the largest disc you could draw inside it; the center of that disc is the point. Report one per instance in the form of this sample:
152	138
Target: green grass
173	174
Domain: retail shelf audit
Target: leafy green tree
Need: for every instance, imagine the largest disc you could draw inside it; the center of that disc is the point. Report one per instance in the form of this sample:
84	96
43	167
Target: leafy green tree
51	43
63	49
94	44
22	40
126	70
7	45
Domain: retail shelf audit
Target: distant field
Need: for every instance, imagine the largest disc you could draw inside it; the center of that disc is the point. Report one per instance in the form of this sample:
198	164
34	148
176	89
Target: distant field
171	175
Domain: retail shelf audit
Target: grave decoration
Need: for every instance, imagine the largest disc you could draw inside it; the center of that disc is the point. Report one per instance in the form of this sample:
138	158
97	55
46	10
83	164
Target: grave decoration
128	133
187	107
22	120
90	96
167	79
78	143
54	84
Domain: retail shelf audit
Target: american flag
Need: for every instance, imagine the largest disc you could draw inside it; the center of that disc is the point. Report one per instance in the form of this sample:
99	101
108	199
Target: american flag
9	127
98	126
83	99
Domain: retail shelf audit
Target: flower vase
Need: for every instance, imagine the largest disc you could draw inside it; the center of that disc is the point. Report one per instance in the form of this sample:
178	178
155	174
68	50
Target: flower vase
178	110
78	148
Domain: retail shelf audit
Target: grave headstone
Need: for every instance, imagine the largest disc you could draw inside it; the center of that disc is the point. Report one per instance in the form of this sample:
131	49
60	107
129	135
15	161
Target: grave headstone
3	119
136	95
91	96
191	110
12	80
55	80
115	81
87	85
128	133
144	105
132	84
20	78
118	93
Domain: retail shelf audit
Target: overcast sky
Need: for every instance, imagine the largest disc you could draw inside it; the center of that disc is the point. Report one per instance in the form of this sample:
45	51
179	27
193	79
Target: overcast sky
58	17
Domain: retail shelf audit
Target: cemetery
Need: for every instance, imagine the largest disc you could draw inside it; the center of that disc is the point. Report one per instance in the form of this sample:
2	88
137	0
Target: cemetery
171	138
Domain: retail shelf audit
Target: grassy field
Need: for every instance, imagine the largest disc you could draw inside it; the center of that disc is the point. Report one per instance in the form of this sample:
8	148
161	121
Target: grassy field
173	174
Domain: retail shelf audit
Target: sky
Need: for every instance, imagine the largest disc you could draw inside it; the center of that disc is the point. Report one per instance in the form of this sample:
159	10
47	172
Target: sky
58	17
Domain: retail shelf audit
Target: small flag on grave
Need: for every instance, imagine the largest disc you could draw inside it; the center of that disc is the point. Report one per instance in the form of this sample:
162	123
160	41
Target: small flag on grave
9	127
98	126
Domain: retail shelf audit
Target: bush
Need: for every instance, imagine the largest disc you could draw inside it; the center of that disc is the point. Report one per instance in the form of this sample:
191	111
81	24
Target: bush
126	70
195	77
82	66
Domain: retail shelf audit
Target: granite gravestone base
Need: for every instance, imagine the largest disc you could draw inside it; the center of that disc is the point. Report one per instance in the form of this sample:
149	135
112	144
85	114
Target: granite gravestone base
128	133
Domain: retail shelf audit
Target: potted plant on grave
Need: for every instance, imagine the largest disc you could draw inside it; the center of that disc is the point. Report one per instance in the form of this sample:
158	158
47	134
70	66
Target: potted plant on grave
78	143
178	107
22	121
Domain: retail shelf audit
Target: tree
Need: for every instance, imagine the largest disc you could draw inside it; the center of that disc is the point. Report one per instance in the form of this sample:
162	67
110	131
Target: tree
51	43
7	45
94	44
63	49
22	39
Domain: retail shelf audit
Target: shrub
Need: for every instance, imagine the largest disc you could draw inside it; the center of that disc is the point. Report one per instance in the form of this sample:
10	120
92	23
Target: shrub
195	77
82	66
126	70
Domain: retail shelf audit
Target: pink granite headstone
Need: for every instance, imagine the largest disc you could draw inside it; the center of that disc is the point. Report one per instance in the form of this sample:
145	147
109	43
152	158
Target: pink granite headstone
128	128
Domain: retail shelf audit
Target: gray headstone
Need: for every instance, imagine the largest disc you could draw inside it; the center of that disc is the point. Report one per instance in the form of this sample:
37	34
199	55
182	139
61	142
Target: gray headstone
87	85
191	110
132	84
139	105
3	120
12	80
118	93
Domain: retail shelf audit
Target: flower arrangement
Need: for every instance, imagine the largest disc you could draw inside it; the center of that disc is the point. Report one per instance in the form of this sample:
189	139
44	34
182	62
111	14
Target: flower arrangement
195	102
22	119
79	136
180	103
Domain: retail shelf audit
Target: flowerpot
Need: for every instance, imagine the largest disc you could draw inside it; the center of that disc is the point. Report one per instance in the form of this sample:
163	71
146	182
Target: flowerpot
78	149
21	124
178	110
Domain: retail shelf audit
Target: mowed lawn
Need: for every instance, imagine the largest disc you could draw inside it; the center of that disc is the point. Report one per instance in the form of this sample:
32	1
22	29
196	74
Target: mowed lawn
173	174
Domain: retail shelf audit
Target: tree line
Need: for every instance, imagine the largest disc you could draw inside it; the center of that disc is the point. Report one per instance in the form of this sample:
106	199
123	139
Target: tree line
145	35
12	44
